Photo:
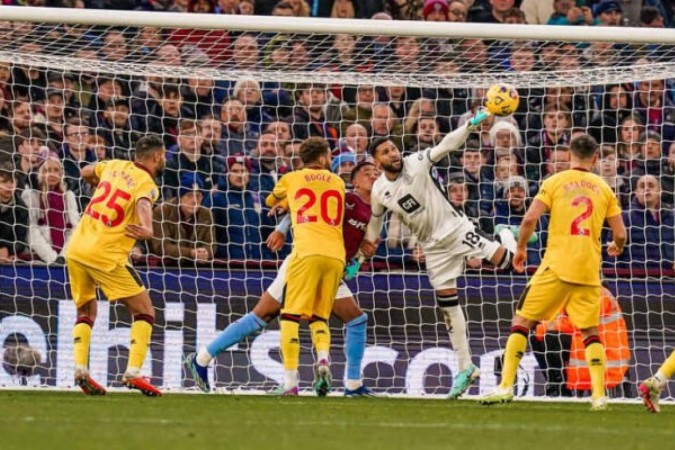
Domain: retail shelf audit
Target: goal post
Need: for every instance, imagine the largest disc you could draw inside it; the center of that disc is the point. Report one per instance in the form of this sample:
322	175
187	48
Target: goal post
84	85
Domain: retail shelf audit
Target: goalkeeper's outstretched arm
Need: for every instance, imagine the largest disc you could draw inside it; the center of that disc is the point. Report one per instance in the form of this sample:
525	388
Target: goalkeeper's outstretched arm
453	141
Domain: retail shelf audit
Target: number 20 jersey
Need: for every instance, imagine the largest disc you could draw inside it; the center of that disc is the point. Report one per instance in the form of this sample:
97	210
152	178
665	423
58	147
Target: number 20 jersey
99	240
419	200
579	202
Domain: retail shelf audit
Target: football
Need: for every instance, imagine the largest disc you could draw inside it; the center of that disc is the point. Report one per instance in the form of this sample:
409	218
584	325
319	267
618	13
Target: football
502	99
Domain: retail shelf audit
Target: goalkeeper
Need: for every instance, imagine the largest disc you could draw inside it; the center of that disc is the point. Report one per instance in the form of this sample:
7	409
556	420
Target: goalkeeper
357	215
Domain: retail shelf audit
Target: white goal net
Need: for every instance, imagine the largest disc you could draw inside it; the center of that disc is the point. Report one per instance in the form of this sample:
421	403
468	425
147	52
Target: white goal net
232	97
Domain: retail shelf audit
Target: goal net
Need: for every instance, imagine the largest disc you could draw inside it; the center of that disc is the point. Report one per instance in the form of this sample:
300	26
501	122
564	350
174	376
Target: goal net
233	96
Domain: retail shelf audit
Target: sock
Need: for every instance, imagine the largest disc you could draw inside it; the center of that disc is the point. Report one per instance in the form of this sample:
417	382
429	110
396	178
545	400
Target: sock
595	359
290	379
455	322
320	337
289	326
667	369
507	238
233	334
355	346
81	340
141	330
515	349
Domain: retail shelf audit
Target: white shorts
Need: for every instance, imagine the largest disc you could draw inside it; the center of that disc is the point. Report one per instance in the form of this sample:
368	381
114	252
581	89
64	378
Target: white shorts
276	289
445	259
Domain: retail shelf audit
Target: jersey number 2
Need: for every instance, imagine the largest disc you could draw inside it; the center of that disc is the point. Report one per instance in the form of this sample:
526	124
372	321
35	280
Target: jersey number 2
575	229
111	204
310	195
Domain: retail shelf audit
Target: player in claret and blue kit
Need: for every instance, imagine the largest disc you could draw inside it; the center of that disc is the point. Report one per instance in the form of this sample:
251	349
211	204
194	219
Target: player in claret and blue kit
345	308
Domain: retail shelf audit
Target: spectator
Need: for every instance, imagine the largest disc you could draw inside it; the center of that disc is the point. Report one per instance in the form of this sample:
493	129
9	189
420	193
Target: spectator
504	134
187	157
164	116
76	154
308	117
238	137
237	210
199	98
21	117
498	10
651	163
558	160
609	13
114	48
457	11
505	168
247	91
27	158
537	12
458	195
566	12
655	108
105	87
267	166
650	17
283	9
384	123
426	133
225	7
435	10
510	211
342	165
97	143
291	154
628	147
246	8
609	171
343	9
407	51
212	132
51	115
356	138
556	132
481	188
147	41
114	125
13	218
651	238
366	96
616	106
281	129
183	228
53	212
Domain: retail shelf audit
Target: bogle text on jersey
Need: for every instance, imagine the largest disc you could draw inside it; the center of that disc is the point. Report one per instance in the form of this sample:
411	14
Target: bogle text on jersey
420	201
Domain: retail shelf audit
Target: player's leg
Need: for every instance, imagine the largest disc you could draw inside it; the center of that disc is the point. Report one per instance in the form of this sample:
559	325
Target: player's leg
583	307
83	290
266	310
542	299
302	280
651	388
331	276
356	322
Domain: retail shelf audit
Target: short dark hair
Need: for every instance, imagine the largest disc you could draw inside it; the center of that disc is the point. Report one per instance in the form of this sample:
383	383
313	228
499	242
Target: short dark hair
359	167
584	147
313	148
376	142
6	172
147	145
169	90
649	14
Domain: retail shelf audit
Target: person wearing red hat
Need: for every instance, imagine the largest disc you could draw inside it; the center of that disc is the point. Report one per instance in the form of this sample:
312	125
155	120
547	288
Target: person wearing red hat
435	10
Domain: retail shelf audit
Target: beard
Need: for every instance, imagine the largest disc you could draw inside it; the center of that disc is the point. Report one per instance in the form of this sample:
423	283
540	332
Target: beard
392	169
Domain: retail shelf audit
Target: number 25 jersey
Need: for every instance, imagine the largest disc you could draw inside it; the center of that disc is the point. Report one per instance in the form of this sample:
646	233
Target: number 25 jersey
579	202
99	240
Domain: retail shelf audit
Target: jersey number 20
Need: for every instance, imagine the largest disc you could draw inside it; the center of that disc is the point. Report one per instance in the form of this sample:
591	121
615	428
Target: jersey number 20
302	217
110	204
575	229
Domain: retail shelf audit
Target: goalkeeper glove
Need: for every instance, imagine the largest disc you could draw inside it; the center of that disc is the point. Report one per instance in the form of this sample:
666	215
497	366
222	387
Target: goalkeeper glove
352	269
480	116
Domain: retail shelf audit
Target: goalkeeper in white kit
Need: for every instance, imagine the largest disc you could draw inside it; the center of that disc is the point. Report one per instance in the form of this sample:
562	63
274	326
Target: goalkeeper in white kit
447	237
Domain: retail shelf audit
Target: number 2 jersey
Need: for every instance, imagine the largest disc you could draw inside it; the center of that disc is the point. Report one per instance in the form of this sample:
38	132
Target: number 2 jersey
99	240
420	201
316	200
579	202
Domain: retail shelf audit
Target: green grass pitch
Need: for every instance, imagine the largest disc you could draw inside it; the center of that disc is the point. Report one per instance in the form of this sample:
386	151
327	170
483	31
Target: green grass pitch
70	421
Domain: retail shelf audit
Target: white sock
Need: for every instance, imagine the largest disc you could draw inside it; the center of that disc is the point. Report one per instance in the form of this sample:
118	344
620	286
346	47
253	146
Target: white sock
203	357
661	378
353	385
321	355
455	322
290	379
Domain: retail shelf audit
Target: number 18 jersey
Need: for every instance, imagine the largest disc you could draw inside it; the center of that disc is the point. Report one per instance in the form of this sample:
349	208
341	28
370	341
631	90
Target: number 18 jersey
99	240
579	202
316	199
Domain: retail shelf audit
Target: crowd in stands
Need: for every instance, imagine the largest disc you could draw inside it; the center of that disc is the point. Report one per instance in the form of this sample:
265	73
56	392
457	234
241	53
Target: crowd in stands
229	141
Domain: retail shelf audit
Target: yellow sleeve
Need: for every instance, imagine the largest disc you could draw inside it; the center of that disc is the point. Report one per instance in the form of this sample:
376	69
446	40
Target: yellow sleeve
278	193
545	194
147	190
614	209
99	168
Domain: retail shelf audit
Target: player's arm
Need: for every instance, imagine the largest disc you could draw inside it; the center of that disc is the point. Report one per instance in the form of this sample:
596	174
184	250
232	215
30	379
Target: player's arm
277	238
618	228
527	227
90	174
453	141
142	231
369	243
